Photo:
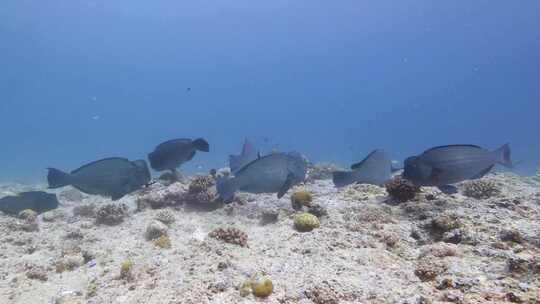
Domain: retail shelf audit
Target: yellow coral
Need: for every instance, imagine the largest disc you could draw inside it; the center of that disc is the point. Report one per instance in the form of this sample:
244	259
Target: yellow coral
305	222
302	197
126	269
262	288
245	289
163	242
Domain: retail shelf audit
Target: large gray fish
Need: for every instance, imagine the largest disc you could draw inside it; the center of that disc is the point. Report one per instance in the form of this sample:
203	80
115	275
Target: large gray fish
38	201
272	173
374	169
249	154
445	165
173	153
114	177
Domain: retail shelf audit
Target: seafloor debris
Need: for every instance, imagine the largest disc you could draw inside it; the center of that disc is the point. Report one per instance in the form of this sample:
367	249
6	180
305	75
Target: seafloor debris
111	214
300	199
306	222
481	189
445	223
401	189
512	235
69	262
230	235
428	269
321	171
362	192
36	273
440	250
165	216
155	230
28	215
53	215
126	270
162	197
318	210
201	191
269	216
88	210
163	242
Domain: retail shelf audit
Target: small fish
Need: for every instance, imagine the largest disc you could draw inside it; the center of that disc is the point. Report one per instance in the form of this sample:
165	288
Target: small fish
38	201
271	173
113	177
249	154
173	153
374	169
445	165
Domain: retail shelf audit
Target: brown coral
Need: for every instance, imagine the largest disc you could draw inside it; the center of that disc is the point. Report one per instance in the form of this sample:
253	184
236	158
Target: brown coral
230	235
301	198
401	189
201	191
111	214
481	189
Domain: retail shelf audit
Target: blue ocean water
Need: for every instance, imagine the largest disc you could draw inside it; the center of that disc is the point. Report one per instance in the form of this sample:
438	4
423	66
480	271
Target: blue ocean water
83	80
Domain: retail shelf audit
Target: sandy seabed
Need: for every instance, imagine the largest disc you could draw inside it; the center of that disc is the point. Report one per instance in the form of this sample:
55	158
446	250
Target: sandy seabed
436	248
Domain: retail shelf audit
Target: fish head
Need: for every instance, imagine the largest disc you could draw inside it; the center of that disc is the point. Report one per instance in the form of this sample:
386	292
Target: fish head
142	173
416	171
297	164
157	162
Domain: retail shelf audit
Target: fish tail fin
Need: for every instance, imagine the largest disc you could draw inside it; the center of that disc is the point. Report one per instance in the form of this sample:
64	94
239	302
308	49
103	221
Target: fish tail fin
226	187
201	145
57	178
503	155
342	178
234	162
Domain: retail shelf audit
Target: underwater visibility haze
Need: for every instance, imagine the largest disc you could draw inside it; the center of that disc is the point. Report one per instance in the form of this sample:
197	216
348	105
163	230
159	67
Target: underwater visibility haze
224	152
84	80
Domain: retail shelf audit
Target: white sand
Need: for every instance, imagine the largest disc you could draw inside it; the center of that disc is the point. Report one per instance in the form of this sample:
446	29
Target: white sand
349	259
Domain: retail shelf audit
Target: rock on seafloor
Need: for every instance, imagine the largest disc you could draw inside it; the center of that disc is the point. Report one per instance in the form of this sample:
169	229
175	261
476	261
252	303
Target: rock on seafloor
479	245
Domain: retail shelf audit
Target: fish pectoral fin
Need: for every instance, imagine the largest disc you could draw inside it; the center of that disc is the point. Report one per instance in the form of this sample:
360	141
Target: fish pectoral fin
483	172
448	189
286	186
435	175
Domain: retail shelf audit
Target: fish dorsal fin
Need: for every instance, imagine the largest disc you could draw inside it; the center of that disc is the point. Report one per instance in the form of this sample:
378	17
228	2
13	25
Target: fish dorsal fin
101	160
367	158
483	172
247	147
183	140
451	146
254	161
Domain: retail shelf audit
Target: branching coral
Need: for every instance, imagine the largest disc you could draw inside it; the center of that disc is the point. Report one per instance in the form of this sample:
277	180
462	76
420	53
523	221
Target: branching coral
111	214
481	189
165	216
401	189
201	190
